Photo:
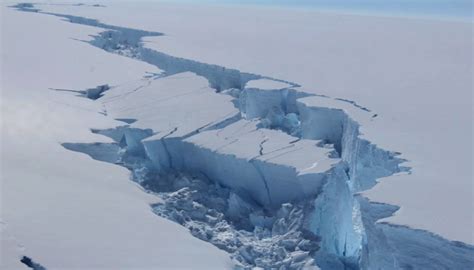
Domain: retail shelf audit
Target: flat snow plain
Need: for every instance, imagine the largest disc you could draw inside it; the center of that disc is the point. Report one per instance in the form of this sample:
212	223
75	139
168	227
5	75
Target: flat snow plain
414	73
410	79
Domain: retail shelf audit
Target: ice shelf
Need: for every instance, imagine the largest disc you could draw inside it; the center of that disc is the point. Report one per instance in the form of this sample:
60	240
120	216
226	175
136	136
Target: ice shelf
262	170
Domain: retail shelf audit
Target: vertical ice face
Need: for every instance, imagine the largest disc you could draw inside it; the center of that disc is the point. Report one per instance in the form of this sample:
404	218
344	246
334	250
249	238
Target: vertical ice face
263	164
127	138
365	161
336	215
326	124
362	164
276	108
254	233
337	218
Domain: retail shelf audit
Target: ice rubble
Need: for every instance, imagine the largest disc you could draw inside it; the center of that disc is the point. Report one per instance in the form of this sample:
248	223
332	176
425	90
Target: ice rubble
251	233
236	174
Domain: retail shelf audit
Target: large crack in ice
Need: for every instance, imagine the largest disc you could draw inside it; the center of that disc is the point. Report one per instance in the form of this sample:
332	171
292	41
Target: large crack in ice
252	235
332	225
31	264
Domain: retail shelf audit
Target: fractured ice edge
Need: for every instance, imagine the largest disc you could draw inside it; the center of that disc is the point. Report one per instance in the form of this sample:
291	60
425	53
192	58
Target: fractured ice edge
91	93
31	264
264	210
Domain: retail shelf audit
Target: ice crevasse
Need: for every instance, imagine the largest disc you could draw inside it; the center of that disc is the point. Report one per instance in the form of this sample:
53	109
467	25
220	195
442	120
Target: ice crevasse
269	166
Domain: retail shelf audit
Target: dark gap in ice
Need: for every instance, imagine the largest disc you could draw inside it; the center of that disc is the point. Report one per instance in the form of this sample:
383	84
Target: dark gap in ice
354	104
31	264
91	93
127	120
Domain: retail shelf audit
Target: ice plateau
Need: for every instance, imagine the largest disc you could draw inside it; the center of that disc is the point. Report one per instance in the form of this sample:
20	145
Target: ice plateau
255	166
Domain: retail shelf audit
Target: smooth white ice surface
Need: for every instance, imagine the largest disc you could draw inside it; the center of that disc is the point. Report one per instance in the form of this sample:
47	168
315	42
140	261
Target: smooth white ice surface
183	101
244	140
414	74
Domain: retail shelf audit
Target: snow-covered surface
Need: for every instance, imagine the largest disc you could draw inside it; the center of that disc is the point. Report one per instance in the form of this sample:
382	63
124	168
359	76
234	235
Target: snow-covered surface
223	149
62	208
183	101
414	74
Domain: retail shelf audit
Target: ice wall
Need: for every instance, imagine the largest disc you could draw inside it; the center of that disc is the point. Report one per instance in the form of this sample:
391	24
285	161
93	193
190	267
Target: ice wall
366	162
238	162
228	217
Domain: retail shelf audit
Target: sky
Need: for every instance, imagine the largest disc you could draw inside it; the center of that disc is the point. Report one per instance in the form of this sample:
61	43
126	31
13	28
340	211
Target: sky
439	8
